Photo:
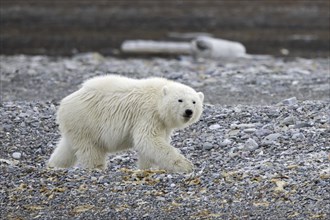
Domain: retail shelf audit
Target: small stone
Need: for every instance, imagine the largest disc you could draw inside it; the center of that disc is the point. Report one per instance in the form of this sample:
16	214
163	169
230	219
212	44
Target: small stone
225	143
249	130
245	136
23	115
232	133
251	144
8	162
240	146
273	137
160	198
196	84
242	126
17	155
263	132
233	152
214	126
245	126
269	139
210	138
303	125
207	146
288	121
290	101
298	136
237	109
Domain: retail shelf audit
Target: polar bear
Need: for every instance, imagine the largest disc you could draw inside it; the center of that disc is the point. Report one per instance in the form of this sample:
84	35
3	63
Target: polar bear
113	113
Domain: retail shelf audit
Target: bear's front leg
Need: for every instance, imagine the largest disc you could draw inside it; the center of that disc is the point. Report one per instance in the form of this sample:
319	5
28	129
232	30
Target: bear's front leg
144	163
162	154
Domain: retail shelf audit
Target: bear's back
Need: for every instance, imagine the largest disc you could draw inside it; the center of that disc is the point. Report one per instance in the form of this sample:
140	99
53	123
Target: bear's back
115	83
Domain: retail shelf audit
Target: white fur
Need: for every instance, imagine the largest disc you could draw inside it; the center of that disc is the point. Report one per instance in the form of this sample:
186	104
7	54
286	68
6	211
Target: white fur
113	113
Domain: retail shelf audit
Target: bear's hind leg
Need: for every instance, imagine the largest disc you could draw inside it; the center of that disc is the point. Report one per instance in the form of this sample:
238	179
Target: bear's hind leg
63	155
91	157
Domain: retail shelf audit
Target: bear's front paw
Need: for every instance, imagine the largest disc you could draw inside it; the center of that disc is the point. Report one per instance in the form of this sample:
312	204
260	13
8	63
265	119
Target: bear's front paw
183	165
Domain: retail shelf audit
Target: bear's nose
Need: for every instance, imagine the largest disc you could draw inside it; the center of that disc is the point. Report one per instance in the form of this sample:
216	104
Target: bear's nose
189	112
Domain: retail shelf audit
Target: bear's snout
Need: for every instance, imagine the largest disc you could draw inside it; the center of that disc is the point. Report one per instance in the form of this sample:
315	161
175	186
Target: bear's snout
188	113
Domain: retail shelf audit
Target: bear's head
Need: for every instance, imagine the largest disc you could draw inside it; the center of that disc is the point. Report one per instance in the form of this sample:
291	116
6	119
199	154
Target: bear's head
180	105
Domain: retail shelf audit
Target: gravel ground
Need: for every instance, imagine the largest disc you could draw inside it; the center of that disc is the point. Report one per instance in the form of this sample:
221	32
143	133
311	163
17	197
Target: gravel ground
246	81
261	148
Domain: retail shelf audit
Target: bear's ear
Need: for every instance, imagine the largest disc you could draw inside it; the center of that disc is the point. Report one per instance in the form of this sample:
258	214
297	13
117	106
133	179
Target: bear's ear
201	96
165	90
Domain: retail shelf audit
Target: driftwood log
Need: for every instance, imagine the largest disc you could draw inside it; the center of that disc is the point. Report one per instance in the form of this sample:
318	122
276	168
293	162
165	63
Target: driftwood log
203	46
208	47
156	47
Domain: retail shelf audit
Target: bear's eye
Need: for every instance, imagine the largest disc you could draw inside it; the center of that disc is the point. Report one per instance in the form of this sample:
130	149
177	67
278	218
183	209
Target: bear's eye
194	102
180	100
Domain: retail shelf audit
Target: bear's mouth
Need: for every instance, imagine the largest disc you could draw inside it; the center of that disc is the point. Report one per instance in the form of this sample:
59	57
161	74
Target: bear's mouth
187	117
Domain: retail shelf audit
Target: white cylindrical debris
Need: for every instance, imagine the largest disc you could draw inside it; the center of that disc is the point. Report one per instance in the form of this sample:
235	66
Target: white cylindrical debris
208	47
155	47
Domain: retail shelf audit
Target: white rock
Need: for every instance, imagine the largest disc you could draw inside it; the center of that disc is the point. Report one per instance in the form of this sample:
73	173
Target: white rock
270	139
288	120
17	155
298	136
251	144
207	146
225	143
233	152
214	126
290	101
249	130
242	126
245	126
8	162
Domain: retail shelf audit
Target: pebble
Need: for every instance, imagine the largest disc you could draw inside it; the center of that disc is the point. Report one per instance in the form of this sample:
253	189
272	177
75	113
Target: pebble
288	121
242	126
207	146
233	152
17	155
298	136
225	142
270	139
214	126
249	130
263	132
290	101
160	198
233	133
303	125
251	144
